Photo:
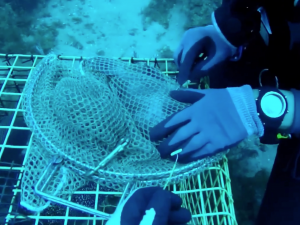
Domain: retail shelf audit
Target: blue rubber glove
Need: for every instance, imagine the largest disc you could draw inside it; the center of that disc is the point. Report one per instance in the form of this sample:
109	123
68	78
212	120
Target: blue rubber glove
216	120
150	206
207	40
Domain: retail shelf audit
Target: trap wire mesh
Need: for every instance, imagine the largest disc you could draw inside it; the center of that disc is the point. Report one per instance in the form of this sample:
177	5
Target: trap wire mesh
207	191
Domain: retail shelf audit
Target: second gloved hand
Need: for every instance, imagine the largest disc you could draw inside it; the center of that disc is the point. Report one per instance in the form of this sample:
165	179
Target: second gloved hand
195	41
216	120
150	206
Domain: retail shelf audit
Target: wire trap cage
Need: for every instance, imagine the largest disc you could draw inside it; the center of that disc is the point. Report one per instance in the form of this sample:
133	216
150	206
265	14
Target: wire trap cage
76	173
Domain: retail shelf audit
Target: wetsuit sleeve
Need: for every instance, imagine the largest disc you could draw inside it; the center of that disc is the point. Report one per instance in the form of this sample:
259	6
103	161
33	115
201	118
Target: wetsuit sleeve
295	128
239	21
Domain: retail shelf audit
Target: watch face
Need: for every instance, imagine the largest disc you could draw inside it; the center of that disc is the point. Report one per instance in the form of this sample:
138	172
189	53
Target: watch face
273	104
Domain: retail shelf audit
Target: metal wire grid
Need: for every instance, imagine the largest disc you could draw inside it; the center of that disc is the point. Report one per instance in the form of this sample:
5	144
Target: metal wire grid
207	195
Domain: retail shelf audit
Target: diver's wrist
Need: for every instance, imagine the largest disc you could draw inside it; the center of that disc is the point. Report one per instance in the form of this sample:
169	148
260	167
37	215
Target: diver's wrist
288	119
295	127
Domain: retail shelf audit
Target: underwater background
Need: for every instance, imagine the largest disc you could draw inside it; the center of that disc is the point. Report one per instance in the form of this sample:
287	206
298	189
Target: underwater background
131	28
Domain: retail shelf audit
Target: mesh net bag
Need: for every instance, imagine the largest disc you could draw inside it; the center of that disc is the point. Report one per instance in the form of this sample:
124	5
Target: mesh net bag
81	112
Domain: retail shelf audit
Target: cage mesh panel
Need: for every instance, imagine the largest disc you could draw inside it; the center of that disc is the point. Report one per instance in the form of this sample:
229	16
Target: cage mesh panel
81	111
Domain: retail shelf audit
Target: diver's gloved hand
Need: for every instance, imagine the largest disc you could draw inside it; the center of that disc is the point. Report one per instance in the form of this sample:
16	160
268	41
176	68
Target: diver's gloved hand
150	206
216	120
206	40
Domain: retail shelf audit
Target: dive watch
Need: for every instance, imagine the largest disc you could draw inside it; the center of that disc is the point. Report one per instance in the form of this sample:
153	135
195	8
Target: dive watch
272	106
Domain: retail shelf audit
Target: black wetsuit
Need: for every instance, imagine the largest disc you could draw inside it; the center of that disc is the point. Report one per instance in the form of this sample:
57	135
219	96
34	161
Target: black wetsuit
277	57
281	203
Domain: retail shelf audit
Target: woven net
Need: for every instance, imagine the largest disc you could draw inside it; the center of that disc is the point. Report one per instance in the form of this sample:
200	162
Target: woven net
80	112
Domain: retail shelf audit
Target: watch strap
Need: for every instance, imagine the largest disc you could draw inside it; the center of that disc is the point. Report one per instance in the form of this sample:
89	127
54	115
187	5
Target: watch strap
271	124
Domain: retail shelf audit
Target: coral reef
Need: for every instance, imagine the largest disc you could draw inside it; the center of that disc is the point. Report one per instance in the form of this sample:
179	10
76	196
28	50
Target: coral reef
248	193
157	11
19	31
25	5
198	12
250	164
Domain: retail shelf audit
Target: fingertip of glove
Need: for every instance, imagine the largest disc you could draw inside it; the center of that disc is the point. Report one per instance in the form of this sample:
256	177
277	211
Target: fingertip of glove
179	58
180	216
187	95
156	133
187	215
176	201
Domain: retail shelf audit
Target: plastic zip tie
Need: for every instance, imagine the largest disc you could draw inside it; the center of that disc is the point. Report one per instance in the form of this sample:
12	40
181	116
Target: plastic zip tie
120	147
172	154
